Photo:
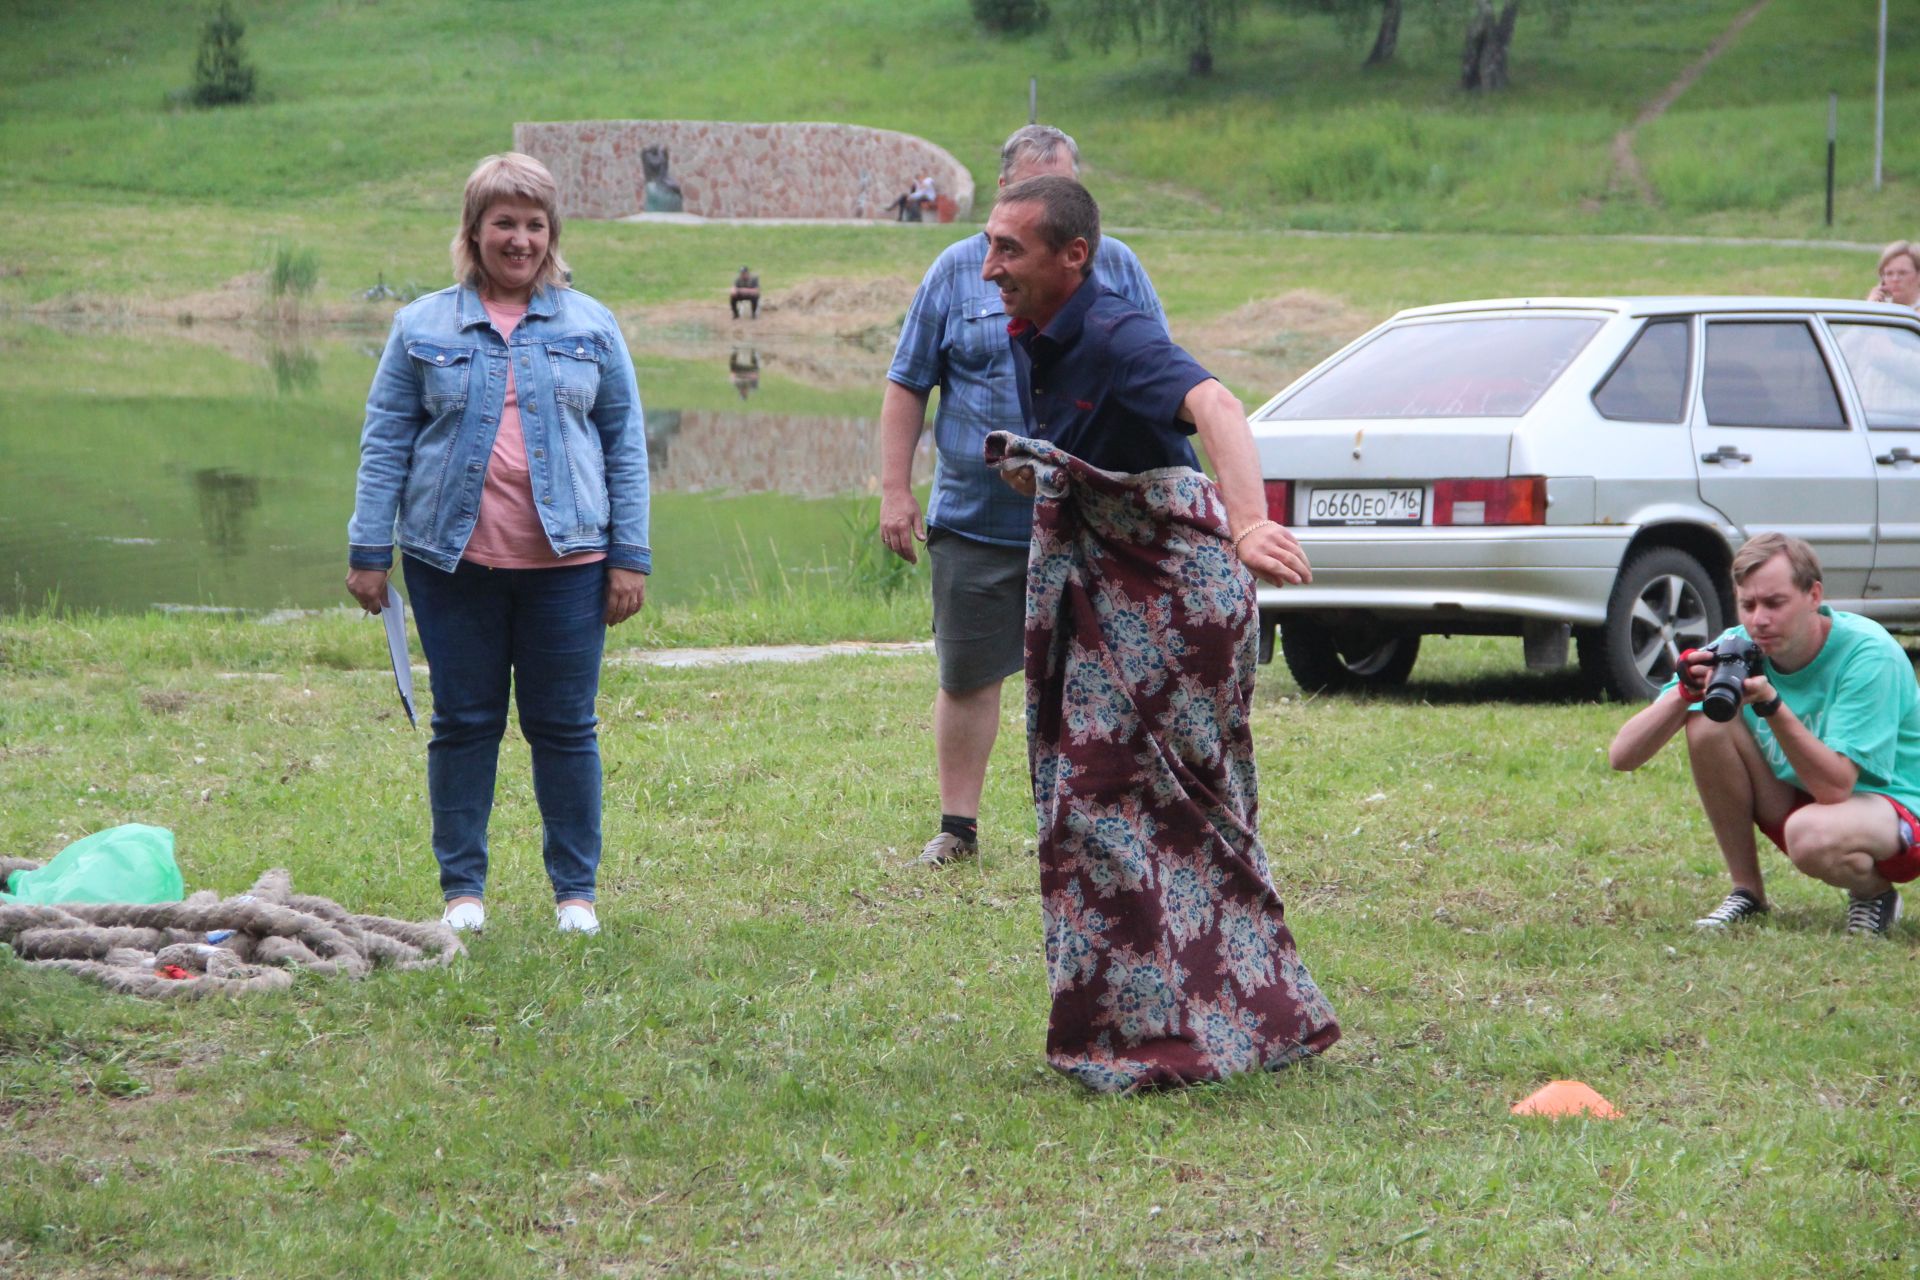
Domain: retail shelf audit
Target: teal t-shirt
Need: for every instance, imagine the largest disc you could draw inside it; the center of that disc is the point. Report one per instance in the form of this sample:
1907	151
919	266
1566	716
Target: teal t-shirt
1859	697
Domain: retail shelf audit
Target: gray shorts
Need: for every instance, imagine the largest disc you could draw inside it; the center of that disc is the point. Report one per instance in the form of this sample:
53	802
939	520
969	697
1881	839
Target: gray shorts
979	610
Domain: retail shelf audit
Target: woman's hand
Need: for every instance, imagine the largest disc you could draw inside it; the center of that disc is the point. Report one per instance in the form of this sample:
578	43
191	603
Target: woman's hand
369	587
626	592
1021	480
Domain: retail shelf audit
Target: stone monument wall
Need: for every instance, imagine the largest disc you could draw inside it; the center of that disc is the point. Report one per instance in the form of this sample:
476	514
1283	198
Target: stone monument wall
732	170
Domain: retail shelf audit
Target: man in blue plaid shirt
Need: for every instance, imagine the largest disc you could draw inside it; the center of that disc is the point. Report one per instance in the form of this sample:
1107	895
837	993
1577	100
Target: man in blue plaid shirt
976	528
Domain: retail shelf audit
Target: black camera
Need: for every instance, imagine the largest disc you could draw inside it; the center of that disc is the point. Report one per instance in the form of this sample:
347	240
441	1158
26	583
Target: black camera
1734	659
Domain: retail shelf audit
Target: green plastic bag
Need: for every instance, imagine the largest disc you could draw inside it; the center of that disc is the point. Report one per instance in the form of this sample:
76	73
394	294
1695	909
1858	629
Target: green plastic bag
131	863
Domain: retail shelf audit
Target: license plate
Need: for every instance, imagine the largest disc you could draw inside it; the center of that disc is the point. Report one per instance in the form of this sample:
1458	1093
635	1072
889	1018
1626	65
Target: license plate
1366	506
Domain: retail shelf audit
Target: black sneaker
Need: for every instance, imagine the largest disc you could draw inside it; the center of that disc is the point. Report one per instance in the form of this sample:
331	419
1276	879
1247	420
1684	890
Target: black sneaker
1876	915
1738	905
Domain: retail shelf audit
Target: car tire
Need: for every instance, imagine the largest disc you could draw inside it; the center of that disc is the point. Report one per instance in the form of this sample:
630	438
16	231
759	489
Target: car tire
1663	602
1322	658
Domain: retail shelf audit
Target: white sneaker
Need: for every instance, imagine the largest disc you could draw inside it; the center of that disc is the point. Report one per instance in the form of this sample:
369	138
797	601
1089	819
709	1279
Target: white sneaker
574	918
465	917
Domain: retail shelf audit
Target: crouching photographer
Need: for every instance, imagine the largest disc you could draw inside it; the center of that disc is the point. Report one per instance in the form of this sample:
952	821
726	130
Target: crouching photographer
1803	721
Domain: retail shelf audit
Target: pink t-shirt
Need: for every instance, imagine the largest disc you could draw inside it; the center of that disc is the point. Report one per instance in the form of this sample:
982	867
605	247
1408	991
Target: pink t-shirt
508	534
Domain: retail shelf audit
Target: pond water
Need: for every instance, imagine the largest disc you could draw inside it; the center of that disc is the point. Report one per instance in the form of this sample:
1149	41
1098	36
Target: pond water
181	468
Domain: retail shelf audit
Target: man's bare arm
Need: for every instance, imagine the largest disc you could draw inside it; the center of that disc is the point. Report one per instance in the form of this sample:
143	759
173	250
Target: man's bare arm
903	414
1648	730
1271	552
1824	773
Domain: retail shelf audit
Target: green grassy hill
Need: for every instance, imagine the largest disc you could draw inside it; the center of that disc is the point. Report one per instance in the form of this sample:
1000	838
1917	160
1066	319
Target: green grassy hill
374	112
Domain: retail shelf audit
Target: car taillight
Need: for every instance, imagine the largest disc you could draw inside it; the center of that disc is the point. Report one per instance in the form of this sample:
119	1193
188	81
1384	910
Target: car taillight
1279	498
1514	500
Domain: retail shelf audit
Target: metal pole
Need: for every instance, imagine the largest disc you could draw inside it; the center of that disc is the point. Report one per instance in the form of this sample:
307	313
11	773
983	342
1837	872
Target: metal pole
1033	95
1833	130
1880	100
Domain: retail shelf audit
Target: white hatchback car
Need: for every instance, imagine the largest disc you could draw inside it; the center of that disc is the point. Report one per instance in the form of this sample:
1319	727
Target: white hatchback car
1582	469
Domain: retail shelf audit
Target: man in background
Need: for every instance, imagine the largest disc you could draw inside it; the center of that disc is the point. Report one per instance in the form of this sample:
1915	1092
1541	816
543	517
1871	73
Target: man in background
976	529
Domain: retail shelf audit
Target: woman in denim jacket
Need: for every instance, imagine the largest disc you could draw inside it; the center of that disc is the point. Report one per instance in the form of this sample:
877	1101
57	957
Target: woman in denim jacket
505	454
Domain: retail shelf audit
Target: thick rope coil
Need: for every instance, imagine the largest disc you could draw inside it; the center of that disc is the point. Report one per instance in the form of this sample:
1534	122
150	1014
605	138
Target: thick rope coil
127	946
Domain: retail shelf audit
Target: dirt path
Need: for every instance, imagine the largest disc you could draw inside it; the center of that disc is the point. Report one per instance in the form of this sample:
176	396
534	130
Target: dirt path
1627	174
738	655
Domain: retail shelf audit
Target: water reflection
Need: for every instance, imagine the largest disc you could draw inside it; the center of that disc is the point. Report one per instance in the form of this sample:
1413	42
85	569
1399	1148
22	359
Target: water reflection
744	371
226	499
295	368
727	451
215	468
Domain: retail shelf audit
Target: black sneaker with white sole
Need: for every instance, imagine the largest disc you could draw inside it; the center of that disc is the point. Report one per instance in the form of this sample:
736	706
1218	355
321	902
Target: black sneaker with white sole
1737	906
1876	915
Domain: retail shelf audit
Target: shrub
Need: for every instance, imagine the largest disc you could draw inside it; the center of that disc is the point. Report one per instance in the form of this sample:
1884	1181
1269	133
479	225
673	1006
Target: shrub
221	72
1010	17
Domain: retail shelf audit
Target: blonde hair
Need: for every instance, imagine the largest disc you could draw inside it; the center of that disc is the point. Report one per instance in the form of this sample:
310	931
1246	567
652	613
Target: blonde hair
1762	547
1894	250
508	176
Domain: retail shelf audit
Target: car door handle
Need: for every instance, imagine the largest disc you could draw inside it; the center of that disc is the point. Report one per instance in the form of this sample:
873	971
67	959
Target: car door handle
1899	455
1726	453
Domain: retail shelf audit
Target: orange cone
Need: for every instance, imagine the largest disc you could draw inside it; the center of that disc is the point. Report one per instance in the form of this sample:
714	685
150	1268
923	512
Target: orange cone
1559	1098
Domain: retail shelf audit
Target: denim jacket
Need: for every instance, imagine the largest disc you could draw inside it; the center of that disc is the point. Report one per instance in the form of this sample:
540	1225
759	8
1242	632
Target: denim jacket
435	406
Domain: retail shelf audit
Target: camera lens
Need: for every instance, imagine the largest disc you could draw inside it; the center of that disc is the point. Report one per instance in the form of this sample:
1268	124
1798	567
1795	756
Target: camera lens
1721	703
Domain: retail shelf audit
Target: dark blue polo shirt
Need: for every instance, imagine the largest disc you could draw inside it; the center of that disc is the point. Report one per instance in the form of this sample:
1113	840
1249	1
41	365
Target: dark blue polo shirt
1104	382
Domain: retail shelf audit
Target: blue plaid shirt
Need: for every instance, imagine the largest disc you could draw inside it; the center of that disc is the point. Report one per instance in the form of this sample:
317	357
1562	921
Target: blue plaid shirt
955	338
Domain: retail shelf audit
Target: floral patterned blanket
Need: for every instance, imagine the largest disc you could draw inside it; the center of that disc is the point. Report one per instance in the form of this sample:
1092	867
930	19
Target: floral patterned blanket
1167	949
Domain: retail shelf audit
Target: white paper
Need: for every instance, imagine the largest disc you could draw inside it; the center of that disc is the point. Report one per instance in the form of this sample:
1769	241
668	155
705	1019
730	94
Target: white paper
394	615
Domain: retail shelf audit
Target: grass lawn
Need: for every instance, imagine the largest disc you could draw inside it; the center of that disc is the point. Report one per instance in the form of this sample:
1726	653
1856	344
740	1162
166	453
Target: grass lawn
379	106
373	113
790	1053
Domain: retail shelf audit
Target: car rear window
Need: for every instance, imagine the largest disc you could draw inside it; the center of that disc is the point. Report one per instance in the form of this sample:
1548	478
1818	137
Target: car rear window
1481	368
1885	362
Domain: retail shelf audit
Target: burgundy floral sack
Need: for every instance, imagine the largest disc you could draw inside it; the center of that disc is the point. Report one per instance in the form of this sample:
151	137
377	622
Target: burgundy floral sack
1167	948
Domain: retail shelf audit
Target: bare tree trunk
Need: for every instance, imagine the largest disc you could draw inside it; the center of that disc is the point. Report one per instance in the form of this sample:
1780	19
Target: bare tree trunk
1483	63
1200	60
1389	37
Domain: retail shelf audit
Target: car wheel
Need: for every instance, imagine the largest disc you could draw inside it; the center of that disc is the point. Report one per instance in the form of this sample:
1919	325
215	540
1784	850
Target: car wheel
1663	603
1323	657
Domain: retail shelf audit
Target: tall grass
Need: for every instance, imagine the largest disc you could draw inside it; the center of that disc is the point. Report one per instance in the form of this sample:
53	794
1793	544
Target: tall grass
872	568
291	272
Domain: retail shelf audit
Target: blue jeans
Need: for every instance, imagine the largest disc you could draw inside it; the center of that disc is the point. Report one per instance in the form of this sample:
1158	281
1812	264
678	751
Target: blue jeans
544	630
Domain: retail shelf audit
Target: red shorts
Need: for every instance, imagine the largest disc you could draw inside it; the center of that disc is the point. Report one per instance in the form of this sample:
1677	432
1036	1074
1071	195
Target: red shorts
1900	868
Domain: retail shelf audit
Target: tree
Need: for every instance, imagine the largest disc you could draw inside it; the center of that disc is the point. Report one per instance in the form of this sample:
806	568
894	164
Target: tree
221	72
1388	38
1193	26
1357	17
1483	63
1010	17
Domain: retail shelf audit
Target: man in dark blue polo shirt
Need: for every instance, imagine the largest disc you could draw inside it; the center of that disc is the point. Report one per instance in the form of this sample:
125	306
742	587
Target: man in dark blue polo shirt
1103	381
1169	960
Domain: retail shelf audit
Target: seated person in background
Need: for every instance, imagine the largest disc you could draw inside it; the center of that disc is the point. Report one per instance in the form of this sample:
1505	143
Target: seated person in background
1824	756
1899	275
911	206
746	288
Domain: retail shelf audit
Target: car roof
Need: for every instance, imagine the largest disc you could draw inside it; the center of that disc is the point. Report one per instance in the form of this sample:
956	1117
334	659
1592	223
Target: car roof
1678	304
